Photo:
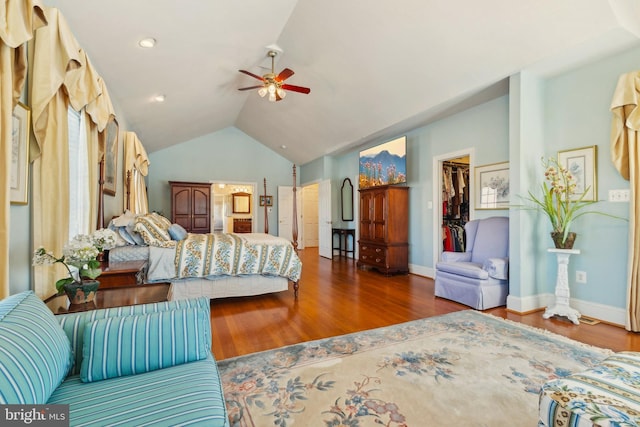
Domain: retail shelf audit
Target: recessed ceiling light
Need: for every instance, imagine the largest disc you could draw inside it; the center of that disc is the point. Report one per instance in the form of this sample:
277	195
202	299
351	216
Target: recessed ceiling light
284	147
148	42
159	98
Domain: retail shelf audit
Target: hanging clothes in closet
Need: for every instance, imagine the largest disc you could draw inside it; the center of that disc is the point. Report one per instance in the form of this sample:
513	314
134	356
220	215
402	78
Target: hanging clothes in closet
455	205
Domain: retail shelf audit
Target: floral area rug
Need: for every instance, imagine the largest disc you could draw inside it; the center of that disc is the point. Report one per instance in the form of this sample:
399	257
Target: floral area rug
460	369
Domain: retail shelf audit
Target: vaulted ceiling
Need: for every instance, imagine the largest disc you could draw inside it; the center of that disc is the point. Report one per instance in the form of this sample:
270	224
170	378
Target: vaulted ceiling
375	68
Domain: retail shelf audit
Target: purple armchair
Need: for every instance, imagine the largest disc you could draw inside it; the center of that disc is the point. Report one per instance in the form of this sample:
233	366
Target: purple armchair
478	277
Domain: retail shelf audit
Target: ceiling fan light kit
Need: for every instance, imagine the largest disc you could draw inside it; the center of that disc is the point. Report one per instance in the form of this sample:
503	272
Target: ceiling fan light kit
273	84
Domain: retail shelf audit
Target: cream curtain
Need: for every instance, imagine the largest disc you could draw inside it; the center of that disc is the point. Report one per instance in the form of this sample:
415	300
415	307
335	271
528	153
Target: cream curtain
61	75
136	163
101	112
18	20
625	154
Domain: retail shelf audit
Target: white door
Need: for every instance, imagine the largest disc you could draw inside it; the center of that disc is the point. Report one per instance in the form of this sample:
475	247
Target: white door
310	215
325	244
285	213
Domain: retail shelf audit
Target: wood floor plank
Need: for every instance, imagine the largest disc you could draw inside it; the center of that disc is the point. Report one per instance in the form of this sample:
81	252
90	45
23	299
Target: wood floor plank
336	298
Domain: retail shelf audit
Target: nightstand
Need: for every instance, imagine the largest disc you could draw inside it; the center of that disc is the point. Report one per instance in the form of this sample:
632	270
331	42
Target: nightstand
122	274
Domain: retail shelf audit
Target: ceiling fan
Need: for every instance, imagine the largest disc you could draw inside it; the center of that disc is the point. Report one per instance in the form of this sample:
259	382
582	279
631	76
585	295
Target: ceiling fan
273	84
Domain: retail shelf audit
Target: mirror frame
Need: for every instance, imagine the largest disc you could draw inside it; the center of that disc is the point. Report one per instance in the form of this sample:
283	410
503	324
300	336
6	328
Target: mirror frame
238	201
346	200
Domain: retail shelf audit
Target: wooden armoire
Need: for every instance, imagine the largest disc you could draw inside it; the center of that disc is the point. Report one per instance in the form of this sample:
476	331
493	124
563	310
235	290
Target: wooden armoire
384	229
191	205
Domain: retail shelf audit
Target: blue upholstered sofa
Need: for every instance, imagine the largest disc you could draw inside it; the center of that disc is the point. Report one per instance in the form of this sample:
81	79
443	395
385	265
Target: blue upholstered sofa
132	366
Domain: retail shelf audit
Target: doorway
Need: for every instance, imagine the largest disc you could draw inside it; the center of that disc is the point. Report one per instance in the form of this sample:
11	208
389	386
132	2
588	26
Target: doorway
310	229
452	196
222	216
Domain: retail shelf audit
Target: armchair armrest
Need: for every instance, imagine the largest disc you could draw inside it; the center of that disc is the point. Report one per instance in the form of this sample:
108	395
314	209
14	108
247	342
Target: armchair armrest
498	268
456	256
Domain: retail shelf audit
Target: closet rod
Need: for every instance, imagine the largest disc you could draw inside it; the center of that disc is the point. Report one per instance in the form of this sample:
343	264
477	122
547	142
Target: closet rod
448	163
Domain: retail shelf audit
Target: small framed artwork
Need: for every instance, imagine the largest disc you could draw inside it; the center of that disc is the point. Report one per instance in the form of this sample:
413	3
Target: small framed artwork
492	186
20	154
111	158
266	200
581	162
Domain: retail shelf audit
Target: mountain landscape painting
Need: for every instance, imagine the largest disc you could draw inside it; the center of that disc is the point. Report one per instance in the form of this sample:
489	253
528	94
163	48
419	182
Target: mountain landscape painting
384	164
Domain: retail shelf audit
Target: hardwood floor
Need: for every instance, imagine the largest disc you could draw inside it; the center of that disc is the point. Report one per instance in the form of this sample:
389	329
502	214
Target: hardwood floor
336	298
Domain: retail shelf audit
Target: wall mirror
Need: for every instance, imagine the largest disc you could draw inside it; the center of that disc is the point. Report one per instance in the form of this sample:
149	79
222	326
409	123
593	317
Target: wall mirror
347	200
241	203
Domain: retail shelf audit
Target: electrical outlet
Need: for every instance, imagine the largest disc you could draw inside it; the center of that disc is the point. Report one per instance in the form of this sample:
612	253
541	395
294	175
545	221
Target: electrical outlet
581	277
618	195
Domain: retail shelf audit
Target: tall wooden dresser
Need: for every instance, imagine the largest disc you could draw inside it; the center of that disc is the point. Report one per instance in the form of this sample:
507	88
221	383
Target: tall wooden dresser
384	229
191	205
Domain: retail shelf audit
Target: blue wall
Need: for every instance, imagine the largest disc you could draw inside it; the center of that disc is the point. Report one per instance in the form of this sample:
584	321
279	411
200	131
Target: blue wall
539	117
483	128
227	155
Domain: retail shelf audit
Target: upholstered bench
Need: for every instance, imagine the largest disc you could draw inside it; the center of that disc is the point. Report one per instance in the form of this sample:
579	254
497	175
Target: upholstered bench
607	395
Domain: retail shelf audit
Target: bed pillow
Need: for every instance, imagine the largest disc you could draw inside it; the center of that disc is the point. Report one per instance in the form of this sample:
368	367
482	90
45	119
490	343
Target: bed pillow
129	345
177	232
154	230
164	222
35	354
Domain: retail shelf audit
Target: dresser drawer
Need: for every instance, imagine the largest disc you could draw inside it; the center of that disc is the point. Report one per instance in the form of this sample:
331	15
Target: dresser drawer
373	254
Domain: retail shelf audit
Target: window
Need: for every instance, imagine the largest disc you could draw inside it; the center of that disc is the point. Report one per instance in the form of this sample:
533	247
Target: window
79	204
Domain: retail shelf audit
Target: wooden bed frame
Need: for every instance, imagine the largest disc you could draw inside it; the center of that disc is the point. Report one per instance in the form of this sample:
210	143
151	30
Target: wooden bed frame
294	231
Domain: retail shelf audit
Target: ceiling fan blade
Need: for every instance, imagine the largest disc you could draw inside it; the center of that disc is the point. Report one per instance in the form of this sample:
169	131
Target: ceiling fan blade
296	88
284	74
249	73
251	87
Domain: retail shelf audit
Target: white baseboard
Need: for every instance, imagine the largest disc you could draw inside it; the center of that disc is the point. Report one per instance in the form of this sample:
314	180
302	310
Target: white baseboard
606	313
421	270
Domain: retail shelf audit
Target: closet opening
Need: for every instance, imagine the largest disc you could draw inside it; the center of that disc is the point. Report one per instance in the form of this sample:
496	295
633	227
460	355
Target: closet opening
452	200
455	203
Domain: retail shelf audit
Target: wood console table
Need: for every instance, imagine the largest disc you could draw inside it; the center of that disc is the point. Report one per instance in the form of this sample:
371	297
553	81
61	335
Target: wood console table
343	237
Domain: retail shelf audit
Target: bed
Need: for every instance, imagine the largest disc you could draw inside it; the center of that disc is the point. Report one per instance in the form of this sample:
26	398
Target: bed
215	265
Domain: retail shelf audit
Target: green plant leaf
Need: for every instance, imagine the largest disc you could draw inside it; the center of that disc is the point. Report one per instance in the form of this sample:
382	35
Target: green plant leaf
62	282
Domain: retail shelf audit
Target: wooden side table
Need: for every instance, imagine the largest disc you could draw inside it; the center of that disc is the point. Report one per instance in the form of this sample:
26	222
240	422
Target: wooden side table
561	306
122	274
111	297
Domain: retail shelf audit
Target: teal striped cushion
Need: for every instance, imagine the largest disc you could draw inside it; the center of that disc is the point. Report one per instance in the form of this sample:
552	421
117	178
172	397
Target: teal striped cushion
35	353
129	345
183	395
74	323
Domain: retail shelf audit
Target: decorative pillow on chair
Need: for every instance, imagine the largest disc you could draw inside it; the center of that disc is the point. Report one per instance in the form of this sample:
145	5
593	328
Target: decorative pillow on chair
35	353
129	345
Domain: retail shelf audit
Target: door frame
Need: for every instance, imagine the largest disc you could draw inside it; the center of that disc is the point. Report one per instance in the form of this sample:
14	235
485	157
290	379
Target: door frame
437	195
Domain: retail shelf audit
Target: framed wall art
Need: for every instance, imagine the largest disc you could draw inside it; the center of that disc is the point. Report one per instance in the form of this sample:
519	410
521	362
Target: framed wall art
581	162
492	186
19	176
266	200
111	158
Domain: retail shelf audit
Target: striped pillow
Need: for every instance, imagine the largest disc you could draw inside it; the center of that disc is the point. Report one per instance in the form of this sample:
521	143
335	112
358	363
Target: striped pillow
35	353
129	345
154	231
162	221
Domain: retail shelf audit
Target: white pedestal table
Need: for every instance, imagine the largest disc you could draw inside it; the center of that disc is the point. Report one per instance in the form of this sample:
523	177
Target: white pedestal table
561	306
